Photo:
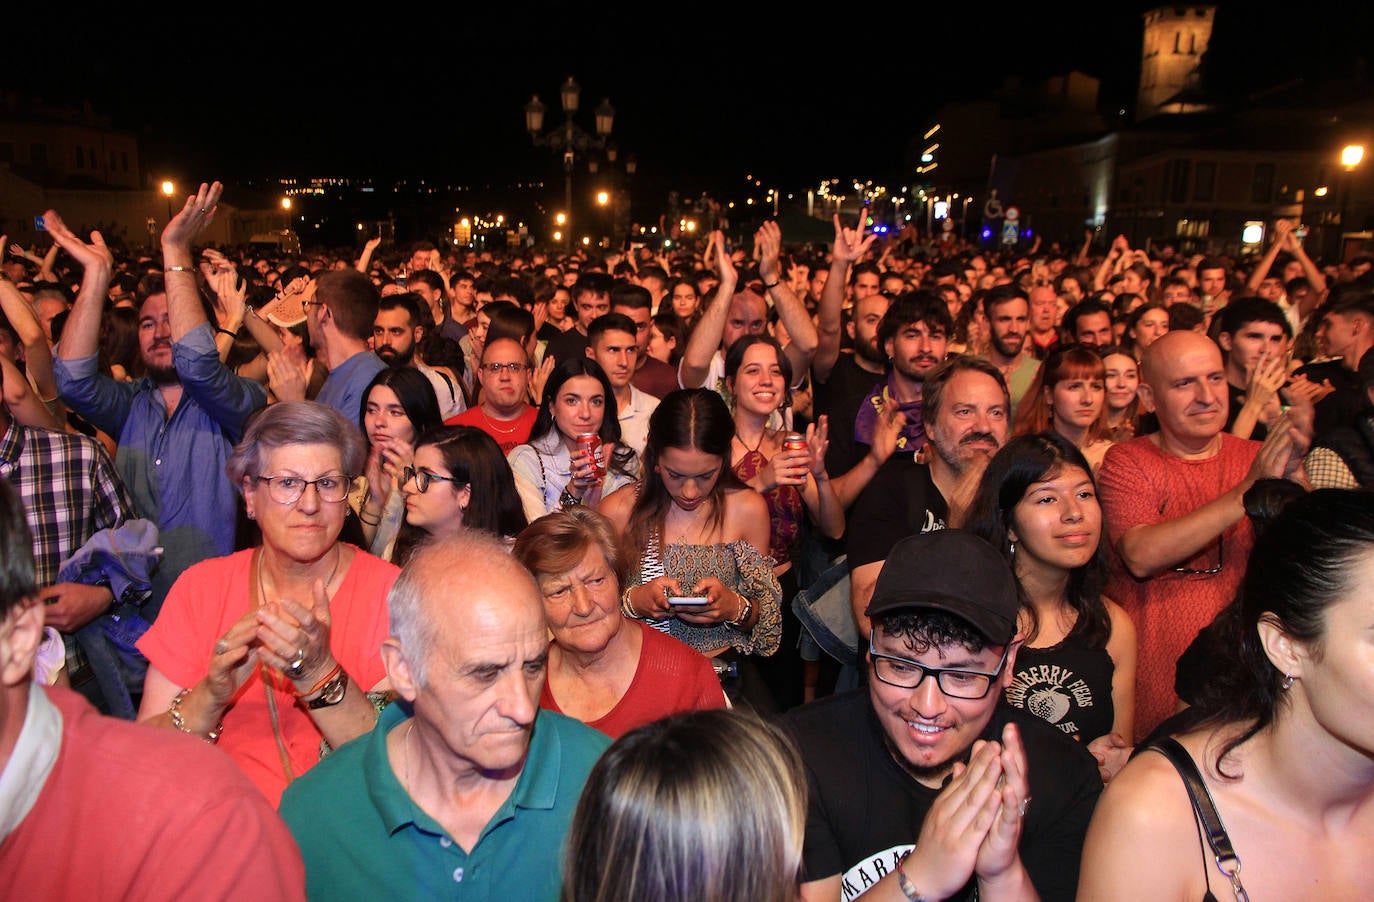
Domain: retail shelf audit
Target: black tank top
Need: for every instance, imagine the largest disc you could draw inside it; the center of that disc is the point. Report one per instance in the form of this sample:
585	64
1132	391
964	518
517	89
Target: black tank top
1069	685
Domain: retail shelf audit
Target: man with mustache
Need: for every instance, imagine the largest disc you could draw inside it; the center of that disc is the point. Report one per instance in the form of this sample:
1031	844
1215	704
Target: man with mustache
177	425
1008	310
1175	513
396	335
914	334
967	410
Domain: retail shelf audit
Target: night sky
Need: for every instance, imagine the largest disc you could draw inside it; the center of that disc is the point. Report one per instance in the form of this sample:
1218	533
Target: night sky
703	92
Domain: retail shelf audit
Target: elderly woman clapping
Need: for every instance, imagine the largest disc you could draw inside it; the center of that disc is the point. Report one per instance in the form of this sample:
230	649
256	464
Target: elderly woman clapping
271	650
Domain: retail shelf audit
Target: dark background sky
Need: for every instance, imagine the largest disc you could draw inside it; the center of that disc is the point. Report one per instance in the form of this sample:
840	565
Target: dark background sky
703	92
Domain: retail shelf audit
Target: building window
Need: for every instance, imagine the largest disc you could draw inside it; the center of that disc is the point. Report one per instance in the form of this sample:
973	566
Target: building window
1178	183
1262	188
1204	181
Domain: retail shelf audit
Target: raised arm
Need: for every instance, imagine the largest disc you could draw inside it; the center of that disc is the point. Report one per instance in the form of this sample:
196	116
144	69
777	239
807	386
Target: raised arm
696	360
37	353
1314	276
81	336
366	259
801	347
1282	229
850	245
184	310
1120	248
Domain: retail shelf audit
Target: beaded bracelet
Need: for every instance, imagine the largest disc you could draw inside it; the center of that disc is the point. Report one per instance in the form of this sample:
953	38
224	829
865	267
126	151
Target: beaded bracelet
743	618
179	721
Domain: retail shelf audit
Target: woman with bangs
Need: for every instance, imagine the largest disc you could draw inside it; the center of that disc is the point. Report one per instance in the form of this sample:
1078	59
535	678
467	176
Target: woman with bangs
1069	396
1037	504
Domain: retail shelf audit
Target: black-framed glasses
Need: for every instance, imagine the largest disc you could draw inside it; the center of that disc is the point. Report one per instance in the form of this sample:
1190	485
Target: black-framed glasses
289	489
424	479
1211	571
907	674
512	368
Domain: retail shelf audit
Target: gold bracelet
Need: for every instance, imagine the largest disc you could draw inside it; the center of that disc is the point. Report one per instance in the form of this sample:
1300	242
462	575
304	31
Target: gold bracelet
626	607
179	721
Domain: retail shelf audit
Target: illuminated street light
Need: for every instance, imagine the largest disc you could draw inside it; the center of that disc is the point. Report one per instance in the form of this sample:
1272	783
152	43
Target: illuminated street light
602	198
1352	155
286	203
168	189
561	218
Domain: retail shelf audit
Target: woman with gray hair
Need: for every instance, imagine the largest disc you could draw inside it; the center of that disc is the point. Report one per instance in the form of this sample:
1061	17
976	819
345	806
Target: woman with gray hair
269	651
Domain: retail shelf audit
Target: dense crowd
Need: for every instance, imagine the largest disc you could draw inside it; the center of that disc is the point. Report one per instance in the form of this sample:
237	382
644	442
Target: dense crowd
622	574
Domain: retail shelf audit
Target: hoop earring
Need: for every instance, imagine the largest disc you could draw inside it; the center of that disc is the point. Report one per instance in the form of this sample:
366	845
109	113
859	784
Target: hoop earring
1287	682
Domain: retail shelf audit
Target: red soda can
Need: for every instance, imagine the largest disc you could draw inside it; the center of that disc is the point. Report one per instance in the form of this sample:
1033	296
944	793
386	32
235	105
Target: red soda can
794	441
590	444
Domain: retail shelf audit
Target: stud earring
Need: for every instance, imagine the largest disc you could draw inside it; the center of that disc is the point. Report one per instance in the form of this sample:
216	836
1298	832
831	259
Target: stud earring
1287	682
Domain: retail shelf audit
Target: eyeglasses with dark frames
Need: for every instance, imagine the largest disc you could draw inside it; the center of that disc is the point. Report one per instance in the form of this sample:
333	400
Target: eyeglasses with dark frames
424	479
512	368
907	674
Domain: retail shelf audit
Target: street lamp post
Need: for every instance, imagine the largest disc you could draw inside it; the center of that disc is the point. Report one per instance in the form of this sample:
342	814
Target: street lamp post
1351	157
168	189
568	139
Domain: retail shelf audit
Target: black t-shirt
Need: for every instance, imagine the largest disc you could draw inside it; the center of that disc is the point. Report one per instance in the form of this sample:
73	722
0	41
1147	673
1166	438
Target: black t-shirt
1343	406
900	501
567	345
865	812
1237	398
839	397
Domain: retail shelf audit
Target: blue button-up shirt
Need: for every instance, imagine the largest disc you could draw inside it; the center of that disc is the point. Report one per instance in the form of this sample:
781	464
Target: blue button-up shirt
173	466
343	389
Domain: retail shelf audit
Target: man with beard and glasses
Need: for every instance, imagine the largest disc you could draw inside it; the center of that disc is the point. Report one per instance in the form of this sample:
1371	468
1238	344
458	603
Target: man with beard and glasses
177	425
1008	311
914	334
927	784
396	334
967	411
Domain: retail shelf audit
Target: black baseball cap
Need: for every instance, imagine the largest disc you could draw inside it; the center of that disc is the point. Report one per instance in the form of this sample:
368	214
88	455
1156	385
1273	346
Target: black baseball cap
954	571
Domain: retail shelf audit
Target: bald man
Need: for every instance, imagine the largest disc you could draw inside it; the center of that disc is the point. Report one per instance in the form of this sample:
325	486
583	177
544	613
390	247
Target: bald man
465	781
1174	510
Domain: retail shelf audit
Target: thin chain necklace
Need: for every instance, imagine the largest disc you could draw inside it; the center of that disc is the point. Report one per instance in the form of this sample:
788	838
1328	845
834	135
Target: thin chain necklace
492	423
692	525
262	587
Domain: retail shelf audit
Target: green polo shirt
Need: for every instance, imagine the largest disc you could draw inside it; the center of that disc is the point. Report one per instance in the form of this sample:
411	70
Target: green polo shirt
363	837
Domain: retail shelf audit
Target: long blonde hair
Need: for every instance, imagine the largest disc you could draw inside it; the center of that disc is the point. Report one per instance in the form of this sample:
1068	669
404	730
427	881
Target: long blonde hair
705	806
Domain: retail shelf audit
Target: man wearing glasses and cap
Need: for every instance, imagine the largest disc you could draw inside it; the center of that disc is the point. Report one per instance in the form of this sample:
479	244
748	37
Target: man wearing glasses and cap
921	785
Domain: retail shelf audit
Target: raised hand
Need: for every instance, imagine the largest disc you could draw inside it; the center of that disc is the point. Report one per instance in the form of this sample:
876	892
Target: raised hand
768	240
95	254
956	827
998	852
195	216
850	244
231	294
817	443
294	638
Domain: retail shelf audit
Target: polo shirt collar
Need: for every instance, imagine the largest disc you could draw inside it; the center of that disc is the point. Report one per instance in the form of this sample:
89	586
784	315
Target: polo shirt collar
536	788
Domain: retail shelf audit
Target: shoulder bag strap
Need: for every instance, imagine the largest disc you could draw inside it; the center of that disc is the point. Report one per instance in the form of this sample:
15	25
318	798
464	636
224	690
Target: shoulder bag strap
1228	862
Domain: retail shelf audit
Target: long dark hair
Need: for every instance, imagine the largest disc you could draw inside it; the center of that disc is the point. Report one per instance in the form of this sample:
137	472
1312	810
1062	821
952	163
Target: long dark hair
473	457
622	459
734	357
1302	563
1023	462
413	390
688	419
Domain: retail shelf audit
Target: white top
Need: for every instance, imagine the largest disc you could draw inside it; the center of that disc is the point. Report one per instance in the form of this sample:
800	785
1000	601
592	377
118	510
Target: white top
634	419
542	469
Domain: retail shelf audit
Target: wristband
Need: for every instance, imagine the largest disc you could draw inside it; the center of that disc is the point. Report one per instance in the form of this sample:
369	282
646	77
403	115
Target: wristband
769	286
907	887
227	332
743	618
168	269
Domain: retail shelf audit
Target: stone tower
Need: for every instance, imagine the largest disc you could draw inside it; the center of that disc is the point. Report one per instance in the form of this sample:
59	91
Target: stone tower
1175	39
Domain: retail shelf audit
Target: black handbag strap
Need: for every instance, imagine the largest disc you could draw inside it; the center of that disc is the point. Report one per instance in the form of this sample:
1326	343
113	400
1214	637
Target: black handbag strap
1228	862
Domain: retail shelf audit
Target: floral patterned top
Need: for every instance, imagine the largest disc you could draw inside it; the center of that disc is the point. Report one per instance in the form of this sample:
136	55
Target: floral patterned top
738	565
